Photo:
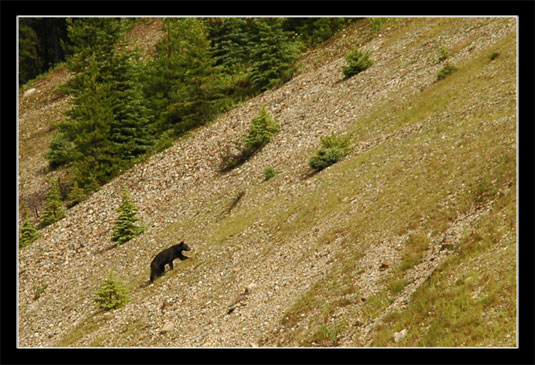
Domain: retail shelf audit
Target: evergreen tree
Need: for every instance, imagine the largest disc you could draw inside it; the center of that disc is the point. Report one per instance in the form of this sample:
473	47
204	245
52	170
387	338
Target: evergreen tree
125	228
274	55
230	39
262	129
112	294
231	44
183	83
76	195
130	130
315	30
40	45
27	233
89	127
54	209
109	122
30	63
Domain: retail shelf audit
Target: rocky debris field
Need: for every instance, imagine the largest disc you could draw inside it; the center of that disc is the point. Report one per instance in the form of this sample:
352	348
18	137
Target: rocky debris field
236	262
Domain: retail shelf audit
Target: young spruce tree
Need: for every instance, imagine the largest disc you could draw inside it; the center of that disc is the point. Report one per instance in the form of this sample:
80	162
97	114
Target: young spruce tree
112	294
27	233
125	228
54	209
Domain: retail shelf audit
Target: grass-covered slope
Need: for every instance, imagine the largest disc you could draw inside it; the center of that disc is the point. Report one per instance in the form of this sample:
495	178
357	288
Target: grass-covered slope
410	240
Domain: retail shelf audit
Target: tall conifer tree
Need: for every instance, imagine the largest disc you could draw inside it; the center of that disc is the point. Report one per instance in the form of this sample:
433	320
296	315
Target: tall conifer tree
109	123
273	54
183	82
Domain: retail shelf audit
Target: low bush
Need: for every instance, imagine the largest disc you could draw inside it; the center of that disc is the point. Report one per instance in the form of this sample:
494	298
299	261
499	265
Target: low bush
333	149
494	55
262	129
357	61
270	172
59	153
445	71
443	54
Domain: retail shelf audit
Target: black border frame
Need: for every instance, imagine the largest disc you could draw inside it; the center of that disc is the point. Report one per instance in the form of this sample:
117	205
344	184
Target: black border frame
525	11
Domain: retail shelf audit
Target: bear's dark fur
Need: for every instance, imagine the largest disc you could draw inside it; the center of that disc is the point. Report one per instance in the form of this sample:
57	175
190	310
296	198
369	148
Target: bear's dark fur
157	266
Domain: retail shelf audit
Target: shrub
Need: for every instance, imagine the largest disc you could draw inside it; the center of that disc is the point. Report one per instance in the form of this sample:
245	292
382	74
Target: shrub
333	149
445	71
326	157
494	55
357	61
112	294
443	54
125	229
270	172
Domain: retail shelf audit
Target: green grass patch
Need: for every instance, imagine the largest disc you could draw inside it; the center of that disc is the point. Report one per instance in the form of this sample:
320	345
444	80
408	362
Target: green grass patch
478	307
84	328
326	335
397	286
415	246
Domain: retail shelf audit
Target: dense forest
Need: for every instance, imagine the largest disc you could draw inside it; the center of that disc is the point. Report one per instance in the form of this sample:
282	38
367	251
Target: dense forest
42	45
123	110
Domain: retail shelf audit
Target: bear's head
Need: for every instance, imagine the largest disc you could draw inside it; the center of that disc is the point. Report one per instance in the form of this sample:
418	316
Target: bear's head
183	246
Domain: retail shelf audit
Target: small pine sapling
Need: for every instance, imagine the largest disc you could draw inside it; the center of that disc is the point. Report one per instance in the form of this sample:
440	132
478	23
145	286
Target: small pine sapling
125	228
76	195
54	209
112	294
262	129
27	233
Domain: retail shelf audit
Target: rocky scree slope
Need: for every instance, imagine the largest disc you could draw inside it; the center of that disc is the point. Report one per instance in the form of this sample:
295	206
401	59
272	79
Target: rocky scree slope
280	239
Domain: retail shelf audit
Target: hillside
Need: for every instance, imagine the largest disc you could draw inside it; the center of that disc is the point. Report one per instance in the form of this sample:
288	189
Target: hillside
410	240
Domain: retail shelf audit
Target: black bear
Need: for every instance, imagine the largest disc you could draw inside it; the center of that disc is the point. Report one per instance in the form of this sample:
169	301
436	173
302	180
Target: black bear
157	266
